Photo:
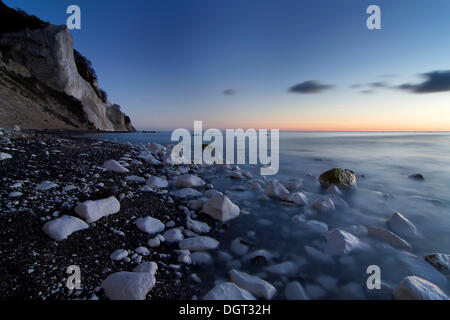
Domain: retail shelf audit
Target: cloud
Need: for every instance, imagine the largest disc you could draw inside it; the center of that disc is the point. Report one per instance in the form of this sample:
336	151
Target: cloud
378	85
367	91
229	92
435	81
309	87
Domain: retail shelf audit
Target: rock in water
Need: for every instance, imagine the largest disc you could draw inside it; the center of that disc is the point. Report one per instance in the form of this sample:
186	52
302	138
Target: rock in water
287	268
199	244
415	288
189	181
221	208
92	211
339	177
324	204
298	198
440	261
4	156
150	225
187	193
128	285
275	189
197	226
157	182
295	291
416	176
340	242
59	229
258	287
388	237
228	291
402	226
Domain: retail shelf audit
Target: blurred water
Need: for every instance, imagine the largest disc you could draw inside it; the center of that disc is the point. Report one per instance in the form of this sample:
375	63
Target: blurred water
382	162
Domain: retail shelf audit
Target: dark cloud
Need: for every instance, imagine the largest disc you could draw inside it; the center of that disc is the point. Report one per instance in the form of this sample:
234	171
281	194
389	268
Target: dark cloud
436	81
309	87
229	92
378	85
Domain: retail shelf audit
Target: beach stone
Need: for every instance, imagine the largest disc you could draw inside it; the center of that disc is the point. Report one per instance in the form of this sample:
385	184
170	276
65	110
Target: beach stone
173	235
197	226
211	193
228	291
239	247
15	194
4	156
293	184
189	181
275	189
46	185
201	258
135	179
143	251
199	243
287	268
119	254
236	175
388	237
317	226
128	285
115	166
324	205
149	267
440	261
415	288
154	242
257	286
294	291
298	198
157	182
150	225
339	177
61	228
187	193
340	242
221	208
92	211
402	226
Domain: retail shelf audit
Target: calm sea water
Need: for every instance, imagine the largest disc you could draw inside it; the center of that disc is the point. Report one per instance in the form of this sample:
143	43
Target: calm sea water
382	162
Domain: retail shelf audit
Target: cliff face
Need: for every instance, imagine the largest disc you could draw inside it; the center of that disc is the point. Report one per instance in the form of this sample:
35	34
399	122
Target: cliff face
47	55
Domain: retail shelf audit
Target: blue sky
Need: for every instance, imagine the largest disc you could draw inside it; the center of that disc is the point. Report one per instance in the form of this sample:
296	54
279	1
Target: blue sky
168	62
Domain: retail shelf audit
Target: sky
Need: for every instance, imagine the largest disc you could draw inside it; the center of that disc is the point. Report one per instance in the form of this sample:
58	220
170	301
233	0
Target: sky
273	64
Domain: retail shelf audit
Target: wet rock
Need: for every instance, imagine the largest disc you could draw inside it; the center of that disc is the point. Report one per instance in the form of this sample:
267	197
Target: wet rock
295	291
339	177
414	265
228	291
115	166
298	198
340	242
402	226
189	181
275	189
61	228
388	237
416	176
221	208
128	285
324	205
257	286
293	184
317	226
187	193
197	226
211	193
92	211
150	225
440	261
199	244
157	182
415	288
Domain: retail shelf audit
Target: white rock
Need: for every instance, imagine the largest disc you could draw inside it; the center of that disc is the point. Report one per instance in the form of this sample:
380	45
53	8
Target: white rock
149	225
294	291
173	235
128	285
115	166
340	242
287	268
228	291
238	247
402	226
199	244
257	286
46	185
197	226
275	189
119	254
189	181
187	193
142	251
92	211
388	237
4	156
298	198
201	258
147	267
221	208
415	288
59	229
157	182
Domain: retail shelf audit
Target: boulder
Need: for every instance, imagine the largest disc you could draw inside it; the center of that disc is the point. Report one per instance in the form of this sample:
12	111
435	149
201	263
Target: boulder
128	285
92	211
388	237
199	243
342	178
150	225
298	198
147	267
294	291
415	288
173	235
324	205
340	242
257	286
275	189
115	166
157	182
402	226
189	181
221	208
59	229
228	291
